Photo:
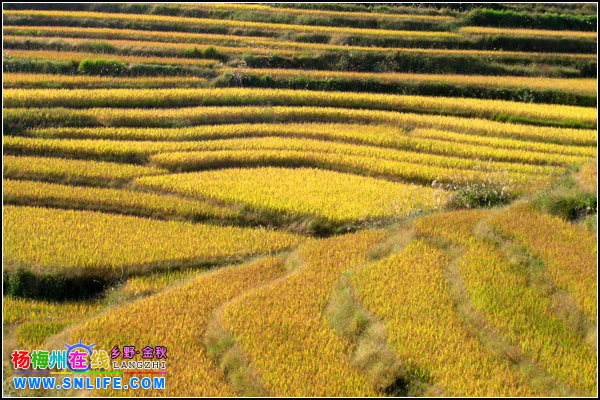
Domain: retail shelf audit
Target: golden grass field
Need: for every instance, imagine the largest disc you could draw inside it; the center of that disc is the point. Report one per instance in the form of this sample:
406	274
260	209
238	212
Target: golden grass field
337	200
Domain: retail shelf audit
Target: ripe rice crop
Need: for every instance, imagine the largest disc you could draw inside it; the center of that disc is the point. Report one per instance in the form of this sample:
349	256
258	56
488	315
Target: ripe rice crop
502	143
569	251
479	30
256	43
426	330
120	200
204	22
19	118
588	176
317	200
73	171
85	243
129	48
513	182
147	285
83	81
417	153
80	56
141	151
282	329
522	312
178	321
379	135
582	85
491	109
37	320
331	196
18	310
314	12
524	315
454	226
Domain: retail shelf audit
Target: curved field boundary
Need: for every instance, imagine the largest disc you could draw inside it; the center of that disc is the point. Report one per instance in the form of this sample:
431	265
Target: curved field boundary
313	360
166	98
257	42
178	322
18	119
569	251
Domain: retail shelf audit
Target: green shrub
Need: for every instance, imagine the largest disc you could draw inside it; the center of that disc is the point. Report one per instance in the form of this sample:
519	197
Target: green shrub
567	201
102	67
20	282
30	65
476	195
102	47
509	18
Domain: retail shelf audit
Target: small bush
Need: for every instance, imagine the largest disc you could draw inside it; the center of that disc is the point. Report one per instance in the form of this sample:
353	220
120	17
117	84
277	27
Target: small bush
102	67
20	282
477	195
102	47
210	53
569	203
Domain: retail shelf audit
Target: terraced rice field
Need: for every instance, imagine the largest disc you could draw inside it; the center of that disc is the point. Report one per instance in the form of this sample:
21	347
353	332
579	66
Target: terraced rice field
303	199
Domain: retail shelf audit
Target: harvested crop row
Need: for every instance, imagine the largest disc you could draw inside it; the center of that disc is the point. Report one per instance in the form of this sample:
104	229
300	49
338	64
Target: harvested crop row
331	196
18	80
119	200
570	252
85	243
282	329
24	118
255	43
204	22
511	182
490	109
178	320
522	312
74	171
426	331
80	56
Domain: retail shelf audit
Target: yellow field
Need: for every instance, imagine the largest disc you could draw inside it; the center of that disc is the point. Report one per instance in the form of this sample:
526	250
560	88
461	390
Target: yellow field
67	242
444	350
220	115
308	200
120	200
190	97
228	23
75	81
176	311
477	30
74	171
333	196
257	44
588	86
282	328
570	252
80	56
